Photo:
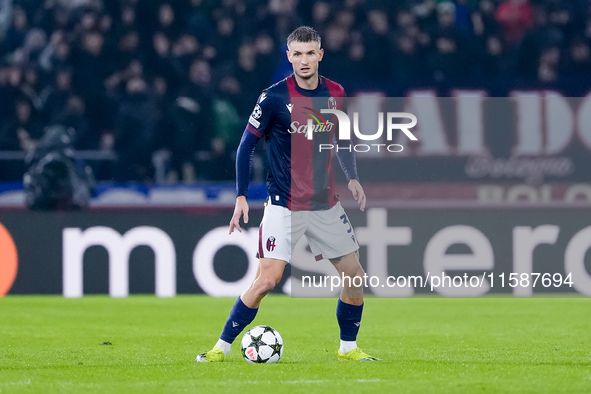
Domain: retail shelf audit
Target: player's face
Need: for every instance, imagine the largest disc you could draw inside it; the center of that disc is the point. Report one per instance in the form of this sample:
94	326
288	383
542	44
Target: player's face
304	57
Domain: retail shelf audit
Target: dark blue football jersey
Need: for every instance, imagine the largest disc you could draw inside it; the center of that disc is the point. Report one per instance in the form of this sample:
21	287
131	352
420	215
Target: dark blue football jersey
300	174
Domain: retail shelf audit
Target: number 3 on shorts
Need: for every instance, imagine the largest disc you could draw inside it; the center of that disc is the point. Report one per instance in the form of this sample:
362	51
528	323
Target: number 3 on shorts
346	221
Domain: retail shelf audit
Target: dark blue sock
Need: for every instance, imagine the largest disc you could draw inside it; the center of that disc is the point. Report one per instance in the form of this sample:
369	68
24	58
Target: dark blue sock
349	318
240	317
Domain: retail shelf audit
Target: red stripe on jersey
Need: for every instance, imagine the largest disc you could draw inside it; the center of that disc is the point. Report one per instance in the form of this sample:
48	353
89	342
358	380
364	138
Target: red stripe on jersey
260	255
254	131
302	151
338	92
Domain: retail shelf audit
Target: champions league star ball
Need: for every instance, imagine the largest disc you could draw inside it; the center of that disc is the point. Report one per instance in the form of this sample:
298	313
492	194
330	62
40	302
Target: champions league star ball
262	344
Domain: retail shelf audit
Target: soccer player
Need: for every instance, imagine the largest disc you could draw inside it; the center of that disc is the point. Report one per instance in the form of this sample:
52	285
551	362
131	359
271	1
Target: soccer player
301	199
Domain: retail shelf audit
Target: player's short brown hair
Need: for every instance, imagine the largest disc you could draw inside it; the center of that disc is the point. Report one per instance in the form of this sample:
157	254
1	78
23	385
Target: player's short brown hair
304	34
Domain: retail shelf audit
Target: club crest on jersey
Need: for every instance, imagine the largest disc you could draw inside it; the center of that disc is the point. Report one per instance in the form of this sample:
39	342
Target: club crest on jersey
257	112
332	103
271	244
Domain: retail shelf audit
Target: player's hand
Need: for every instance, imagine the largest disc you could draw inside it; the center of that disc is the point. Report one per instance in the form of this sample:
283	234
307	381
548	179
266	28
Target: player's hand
358	193
240	209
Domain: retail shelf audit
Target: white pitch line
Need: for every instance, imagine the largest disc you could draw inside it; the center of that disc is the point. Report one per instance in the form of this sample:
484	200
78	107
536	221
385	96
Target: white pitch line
328	381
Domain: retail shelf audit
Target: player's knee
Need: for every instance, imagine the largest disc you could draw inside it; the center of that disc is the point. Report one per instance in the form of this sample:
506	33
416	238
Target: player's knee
265	285
352	276
359	271
355	271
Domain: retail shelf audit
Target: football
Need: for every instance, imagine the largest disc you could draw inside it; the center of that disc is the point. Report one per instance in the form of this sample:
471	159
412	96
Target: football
262	344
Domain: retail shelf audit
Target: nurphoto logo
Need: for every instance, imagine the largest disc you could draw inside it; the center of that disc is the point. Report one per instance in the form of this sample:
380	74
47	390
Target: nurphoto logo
344	130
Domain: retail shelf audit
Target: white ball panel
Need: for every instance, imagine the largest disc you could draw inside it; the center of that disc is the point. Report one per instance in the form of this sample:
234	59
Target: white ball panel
269	338
256	331
246	340
274	358
265	352
278	336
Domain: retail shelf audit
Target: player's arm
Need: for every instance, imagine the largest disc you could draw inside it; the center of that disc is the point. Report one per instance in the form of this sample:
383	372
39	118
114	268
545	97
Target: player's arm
349	165
258	123
244	160
346	156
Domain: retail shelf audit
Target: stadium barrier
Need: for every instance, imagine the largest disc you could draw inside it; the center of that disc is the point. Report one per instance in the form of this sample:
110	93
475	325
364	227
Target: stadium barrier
173	252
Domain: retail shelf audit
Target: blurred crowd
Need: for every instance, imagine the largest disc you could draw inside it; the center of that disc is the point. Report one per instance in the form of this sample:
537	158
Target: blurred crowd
173	82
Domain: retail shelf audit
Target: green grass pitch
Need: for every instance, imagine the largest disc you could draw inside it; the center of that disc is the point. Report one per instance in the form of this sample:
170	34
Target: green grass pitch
143	344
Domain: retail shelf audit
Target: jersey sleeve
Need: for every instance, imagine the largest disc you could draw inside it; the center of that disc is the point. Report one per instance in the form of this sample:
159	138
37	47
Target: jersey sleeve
244	158
347	160
258	125
260	119
345	154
